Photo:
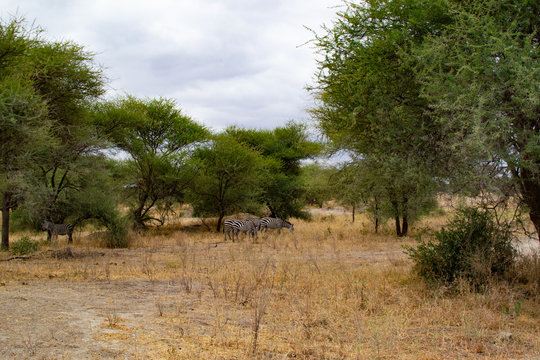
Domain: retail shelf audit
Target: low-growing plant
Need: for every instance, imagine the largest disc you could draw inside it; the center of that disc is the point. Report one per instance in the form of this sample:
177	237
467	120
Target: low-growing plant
24	246
472	246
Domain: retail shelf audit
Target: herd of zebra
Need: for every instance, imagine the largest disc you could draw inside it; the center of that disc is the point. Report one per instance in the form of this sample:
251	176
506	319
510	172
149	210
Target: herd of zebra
248	226
252	225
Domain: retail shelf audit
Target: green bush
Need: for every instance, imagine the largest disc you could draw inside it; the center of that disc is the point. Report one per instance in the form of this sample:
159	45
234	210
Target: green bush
472	246
95	204
118	232
23	247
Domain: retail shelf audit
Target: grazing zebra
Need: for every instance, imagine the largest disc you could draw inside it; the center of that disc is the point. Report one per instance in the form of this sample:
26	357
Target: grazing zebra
53	230
275	223
256	222
236	226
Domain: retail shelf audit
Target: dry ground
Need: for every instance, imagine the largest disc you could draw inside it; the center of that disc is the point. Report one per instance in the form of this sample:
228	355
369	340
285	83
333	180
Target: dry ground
330	290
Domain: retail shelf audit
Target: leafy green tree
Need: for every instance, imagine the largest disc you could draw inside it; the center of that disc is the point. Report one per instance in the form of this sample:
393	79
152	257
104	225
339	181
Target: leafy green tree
229	178
158	139
66	78
23	129
481	76
368	96
354	186
316	179
284	148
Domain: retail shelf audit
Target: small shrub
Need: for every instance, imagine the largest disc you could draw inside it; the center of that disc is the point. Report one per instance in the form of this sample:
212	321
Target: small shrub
472	246
118	232
24	246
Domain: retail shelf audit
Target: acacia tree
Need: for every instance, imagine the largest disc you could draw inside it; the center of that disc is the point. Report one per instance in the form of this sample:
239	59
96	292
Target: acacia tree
283	190
65	76
158	138
481	76
354	186
368	96
316	179
229	178
23	128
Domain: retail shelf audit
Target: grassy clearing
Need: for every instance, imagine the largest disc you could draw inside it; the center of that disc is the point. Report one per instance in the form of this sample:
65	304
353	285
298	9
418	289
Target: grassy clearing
330	290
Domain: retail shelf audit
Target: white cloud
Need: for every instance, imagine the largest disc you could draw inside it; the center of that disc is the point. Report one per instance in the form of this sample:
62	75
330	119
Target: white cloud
225	62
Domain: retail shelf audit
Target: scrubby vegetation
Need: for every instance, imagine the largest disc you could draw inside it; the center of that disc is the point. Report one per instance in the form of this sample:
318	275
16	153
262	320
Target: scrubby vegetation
472	246
332	289
24	246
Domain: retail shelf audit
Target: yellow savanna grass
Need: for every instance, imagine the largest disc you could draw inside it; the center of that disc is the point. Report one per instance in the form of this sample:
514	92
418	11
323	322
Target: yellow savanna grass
330	290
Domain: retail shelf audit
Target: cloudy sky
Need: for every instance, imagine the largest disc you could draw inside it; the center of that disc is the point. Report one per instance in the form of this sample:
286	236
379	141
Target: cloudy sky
225	62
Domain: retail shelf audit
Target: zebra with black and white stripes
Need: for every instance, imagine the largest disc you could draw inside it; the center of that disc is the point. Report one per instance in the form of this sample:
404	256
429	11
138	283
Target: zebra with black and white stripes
53	230
235	226
275	223
256	222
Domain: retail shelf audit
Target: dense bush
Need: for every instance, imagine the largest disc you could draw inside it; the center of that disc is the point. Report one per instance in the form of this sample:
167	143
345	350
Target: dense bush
472	246
97	205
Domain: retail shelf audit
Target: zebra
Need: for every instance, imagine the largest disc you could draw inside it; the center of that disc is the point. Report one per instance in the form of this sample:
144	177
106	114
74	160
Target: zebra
246	226
256	222
53	230
275	223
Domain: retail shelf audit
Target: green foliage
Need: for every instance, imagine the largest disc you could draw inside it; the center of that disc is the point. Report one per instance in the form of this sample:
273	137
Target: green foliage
96	201
283	148
472	246
47	139
118	230
24	246
23	125
481	76
369	101
317	183
228	180
158	138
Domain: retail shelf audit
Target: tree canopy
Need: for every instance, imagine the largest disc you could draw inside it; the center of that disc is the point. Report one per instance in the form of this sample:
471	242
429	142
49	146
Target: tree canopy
49	143
228	178
435	92
23	128
481	77
368	96
157	137
285	148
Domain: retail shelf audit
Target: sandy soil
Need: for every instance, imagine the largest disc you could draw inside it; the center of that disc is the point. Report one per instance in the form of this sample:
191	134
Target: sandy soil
78	317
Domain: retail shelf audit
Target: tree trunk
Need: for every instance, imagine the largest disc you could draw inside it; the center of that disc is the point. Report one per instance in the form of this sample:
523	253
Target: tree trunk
221	216
376	215
138	222
6	200
396	217
404	226
531	195
272	212
353	208
405	219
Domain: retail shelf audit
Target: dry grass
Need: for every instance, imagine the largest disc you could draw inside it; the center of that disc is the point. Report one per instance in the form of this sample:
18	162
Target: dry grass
330	290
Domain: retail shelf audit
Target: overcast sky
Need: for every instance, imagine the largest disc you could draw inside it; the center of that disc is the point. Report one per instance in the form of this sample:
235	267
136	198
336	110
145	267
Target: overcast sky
225	62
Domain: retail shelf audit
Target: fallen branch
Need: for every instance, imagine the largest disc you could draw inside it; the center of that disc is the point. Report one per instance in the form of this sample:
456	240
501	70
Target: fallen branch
23	257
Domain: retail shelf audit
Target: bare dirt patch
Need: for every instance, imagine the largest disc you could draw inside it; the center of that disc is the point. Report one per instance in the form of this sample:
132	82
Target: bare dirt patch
82	319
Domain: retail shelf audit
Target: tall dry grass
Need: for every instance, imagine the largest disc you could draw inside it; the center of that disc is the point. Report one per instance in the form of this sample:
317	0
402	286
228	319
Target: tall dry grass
330	290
